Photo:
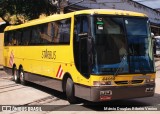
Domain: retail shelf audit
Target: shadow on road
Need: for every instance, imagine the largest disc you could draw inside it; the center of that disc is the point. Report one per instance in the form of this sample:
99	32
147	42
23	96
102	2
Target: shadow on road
99	106
55	93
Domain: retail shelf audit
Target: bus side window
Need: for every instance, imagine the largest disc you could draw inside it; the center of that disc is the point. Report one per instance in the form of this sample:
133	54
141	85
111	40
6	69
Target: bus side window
6	38
36	40
65	31
26	36
10	38
62	31
56	32
46	33
18	35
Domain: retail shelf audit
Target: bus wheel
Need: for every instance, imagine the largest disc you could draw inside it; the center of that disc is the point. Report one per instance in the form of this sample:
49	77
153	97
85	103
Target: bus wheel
22	77
70	91
15	76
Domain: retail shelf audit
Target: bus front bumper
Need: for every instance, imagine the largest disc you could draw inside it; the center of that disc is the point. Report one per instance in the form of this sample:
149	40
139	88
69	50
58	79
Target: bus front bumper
107	93
98	94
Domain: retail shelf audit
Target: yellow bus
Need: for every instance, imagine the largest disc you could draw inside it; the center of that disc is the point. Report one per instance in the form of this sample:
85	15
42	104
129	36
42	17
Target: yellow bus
97	54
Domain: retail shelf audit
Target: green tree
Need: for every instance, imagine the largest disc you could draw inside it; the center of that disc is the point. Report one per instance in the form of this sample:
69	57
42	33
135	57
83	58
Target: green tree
20	11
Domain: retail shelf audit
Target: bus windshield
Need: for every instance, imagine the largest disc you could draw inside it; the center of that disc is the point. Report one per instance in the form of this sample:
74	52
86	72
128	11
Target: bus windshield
122	44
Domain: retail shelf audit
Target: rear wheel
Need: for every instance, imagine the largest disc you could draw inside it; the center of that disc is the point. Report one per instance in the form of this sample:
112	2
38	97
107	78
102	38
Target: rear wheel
22	76
70	91
15	75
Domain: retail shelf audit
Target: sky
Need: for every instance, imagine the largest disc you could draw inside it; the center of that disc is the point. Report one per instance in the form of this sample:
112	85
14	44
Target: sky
150	3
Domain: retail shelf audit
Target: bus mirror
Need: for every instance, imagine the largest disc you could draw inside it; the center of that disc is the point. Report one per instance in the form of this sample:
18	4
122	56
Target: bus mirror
152	35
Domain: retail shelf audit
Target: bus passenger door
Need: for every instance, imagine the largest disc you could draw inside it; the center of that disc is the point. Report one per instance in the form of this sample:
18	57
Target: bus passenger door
81	33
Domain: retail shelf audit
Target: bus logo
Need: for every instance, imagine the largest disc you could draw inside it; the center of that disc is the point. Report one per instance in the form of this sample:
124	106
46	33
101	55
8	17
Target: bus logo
60	72
11	59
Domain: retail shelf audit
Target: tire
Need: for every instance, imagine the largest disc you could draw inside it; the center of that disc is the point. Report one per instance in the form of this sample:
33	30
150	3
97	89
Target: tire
15	75
70	91
22	76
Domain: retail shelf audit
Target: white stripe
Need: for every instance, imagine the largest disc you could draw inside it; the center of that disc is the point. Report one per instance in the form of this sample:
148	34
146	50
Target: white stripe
62	74
59	71
12	56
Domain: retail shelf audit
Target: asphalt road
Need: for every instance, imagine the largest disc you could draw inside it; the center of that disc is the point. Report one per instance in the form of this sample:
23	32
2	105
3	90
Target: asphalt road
50	101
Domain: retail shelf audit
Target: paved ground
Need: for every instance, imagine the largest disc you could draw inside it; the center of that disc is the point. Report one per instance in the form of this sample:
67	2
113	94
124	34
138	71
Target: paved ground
52	101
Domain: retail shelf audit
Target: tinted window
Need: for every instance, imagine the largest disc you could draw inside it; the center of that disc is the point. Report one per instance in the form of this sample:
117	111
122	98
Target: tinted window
6	40
18	36
57	32
62	31
26	35
46	33
9	38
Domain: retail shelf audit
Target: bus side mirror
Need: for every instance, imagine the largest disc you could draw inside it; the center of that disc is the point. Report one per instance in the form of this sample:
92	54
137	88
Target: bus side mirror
152	35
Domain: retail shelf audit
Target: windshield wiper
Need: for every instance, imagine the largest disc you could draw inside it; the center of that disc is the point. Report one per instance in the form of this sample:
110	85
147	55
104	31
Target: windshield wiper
121	64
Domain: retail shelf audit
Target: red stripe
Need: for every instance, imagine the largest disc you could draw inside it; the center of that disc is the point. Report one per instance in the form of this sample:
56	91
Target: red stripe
12	56
60	74
11	52
11	60
58	70
11	63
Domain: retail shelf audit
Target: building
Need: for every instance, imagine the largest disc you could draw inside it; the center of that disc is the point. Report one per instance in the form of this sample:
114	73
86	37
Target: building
158	9
154	15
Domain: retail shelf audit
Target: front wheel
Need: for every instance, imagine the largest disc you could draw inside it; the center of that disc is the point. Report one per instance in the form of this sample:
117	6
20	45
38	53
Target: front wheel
70	91
22	76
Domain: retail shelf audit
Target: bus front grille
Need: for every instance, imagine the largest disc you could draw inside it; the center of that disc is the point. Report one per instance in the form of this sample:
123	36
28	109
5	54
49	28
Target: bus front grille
129	82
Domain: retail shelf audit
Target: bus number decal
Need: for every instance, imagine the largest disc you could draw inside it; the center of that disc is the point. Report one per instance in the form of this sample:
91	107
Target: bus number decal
108	78
48	54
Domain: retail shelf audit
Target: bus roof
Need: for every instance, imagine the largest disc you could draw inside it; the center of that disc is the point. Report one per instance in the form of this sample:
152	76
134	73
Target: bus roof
110	12
63	16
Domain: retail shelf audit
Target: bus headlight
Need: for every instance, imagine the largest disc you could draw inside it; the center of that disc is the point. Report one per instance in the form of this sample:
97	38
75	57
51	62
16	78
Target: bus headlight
150	80
102	83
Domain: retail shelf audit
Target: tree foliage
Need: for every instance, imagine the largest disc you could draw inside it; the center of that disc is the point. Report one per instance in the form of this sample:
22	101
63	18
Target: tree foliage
20	11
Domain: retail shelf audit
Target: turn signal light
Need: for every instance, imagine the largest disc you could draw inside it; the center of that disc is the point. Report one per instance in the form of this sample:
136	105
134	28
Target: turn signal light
150	80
